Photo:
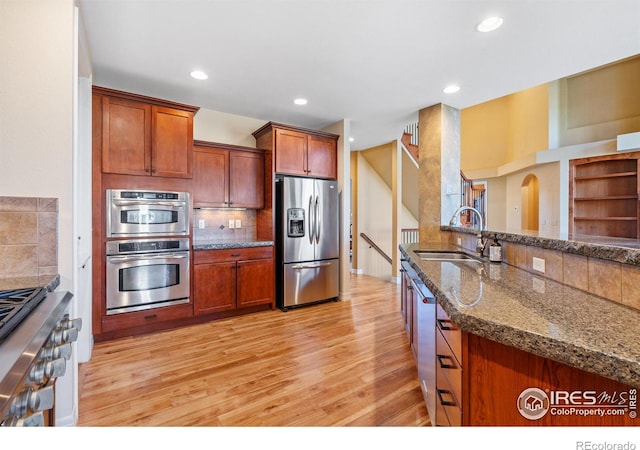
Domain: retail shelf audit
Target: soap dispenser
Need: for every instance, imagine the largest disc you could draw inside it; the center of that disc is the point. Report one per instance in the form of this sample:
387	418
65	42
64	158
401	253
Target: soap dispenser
495	251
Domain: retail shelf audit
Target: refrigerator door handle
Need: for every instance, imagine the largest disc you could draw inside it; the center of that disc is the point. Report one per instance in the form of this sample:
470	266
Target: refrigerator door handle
311	220
307	266
316	215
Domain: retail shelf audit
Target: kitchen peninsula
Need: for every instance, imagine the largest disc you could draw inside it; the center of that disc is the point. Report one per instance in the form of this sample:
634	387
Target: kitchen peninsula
530	348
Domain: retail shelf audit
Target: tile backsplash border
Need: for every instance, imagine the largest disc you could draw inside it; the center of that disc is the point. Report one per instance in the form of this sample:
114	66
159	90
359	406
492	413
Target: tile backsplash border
28	236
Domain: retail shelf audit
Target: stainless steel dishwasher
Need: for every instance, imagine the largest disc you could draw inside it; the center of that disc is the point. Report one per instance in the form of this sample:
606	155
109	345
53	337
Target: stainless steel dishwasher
420	314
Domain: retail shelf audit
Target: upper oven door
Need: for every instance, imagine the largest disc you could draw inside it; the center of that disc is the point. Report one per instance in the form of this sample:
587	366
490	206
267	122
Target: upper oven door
146	217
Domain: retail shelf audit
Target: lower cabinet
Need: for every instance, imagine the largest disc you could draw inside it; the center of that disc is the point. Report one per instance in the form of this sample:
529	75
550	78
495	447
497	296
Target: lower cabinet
231	279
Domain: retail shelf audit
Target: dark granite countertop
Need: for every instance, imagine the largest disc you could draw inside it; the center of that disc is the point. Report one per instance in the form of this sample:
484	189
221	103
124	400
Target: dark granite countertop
51	282
534	314
217	245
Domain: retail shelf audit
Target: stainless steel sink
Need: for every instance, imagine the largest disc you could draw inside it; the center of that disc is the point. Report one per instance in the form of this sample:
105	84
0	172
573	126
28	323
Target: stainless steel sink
426	255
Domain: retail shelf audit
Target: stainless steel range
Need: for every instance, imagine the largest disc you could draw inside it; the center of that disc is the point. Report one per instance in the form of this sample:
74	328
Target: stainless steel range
36	335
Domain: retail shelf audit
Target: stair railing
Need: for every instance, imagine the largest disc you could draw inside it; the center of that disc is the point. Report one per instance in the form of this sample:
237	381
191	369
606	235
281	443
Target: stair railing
374	246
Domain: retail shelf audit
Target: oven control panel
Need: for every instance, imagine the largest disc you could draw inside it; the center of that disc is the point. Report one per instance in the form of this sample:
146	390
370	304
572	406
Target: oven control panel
32	404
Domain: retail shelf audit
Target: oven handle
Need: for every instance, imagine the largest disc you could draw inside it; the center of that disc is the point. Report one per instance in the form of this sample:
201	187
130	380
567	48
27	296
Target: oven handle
119	258
148	203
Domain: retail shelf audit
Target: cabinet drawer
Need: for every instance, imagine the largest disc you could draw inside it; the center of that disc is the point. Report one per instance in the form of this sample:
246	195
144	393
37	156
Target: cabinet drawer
146	317
448	367
450	332
231	254
448	412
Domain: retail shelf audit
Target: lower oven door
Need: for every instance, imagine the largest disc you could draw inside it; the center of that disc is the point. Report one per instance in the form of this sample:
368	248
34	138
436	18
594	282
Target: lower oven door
145	281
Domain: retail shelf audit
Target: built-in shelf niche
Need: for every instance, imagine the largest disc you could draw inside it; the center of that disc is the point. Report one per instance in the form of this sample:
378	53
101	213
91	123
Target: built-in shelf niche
604	194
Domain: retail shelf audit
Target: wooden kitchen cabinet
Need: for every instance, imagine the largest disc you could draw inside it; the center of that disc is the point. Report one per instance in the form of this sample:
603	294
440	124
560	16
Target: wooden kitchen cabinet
229	279
145	136
299	151
227	176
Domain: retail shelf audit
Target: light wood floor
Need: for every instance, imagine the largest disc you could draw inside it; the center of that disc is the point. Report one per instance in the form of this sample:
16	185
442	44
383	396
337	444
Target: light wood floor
342	363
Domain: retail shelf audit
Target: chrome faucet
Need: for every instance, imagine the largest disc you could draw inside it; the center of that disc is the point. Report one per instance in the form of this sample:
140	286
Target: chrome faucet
480	243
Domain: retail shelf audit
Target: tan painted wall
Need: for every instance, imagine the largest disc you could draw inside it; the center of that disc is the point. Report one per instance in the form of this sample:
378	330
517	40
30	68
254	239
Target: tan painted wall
600	104
505	129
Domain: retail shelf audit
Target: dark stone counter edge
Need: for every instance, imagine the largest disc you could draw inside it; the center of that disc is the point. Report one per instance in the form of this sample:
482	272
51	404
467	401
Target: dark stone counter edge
608	366
604	250
209	245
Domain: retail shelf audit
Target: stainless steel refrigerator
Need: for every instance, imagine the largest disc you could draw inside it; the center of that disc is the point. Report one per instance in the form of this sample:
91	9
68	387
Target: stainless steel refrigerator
307	241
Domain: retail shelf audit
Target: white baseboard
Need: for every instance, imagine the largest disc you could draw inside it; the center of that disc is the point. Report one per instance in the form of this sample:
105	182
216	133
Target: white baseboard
357	271
396	280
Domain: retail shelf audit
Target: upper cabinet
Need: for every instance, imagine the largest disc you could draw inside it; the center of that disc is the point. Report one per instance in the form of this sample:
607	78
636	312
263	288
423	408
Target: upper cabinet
145	136
298	151
227	176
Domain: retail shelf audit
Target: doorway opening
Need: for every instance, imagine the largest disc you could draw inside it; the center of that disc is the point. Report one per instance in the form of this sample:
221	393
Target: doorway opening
529	199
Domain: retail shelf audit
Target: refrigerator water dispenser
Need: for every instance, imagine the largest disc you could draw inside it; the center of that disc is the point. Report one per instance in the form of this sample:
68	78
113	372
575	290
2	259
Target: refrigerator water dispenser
295	222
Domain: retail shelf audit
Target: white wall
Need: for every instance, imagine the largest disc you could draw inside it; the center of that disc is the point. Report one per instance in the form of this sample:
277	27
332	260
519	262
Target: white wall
216	126
549	201
374	219
36	123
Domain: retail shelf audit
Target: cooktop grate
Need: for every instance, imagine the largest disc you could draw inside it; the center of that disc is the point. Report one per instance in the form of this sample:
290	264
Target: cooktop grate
15	305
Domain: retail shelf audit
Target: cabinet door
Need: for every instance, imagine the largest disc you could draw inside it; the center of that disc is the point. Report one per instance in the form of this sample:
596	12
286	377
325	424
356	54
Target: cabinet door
255	282
214	287
322	157
291	152
210	185
172	144
126	137
246	180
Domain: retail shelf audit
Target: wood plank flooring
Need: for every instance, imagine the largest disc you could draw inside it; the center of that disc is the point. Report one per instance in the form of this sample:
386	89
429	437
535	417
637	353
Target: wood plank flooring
342	363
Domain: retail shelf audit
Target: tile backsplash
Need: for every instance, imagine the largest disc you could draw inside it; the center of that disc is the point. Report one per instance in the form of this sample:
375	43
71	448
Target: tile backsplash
28	236
216	225
609	279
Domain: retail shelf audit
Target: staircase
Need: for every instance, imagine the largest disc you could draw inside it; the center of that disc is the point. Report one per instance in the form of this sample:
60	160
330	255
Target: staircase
471	194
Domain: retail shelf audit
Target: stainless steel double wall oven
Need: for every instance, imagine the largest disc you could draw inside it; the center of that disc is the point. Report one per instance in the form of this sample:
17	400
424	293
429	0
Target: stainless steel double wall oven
149	269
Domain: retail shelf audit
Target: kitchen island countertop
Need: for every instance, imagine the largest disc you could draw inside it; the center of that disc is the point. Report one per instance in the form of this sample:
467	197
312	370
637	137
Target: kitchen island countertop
534	314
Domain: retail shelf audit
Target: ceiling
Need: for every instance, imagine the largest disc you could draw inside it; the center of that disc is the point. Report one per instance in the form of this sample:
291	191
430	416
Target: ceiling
374	62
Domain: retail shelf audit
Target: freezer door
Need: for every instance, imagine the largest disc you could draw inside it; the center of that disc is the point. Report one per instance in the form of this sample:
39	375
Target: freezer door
297	238
310	282
326	213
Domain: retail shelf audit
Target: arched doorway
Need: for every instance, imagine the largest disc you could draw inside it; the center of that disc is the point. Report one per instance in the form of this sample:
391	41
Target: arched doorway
529	199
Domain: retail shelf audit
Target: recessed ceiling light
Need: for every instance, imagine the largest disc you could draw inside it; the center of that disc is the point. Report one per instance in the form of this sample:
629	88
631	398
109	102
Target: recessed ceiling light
451	89
489	24
351	139
300	101
199	75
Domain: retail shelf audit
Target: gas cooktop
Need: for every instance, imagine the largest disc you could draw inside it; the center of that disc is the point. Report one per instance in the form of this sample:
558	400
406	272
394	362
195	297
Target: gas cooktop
15	305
